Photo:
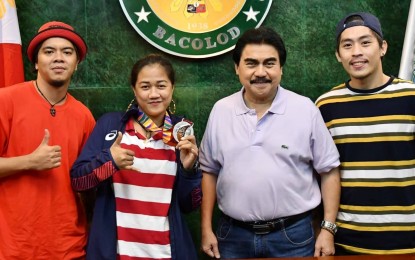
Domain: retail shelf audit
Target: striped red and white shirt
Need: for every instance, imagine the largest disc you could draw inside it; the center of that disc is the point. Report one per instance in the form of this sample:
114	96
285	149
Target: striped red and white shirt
143	198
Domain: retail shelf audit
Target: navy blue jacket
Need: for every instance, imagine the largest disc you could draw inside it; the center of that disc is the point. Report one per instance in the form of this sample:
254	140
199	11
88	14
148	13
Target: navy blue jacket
102	240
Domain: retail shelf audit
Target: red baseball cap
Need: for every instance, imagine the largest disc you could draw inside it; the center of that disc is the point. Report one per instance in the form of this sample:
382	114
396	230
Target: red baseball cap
57	29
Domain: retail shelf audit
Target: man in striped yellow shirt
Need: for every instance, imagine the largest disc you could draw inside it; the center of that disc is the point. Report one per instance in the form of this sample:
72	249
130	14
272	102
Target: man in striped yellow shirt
372	120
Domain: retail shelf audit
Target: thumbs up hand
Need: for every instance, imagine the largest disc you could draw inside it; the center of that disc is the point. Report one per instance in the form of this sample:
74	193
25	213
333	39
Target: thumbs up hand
45	156
124	158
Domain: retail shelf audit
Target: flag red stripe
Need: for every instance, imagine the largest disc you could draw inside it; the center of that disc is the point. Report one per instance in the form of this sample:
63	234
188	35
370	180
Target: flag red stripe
11	64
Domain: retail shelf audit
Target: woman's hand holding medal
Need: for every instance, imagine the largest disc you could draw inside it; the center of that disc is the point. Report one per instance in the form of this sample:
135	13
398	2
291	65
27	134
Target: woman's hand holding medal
183	134
188	151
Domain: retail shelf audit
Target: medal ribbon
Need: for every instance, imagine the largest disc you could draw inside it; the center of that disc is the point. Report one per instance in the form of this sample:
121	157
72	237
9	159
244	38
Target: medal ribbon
146	122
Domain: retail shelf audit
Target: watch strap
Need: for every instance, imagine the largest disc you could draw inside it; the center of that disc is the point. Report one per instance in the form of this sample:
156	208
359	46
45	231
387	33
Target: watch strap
329	226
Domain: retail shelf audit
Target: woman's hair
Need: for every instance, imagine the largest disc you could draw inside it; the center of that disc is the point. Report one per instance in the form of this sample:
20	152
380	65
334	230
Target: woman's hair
152	59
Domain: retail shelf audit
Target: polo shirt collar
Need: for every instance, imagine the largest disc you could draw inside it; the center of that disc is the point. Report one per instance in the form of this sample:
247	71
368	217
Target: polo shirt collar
277	107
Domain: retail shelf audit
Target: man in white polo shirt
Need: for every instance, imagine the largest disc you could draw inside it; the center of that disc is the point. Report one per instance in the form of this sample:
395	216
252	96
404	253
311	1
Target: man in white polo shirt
258	155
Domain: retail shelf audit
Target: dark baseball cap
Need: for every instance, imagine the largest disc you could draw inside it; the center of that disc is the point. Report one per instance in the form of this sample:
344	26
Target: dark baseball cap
366	19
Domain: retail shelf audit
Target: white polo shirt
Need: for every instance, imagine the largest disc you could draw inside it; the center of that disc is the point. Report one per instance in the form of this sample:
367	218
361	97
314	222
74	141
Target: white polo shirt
265	167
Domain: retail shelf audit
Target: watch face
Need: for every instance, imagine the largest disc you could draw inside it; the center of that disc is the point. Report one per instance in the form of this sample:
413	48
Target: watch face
329	225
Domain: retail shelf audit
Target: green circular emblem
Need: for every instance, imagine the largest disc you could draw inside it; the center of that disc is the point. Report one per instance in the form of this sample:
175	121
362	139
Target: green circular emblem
194	28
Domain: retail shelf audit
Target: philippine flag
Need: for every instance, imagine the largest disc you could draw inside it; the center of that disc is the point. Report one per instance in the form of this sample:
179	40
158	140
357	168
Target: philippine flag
11	60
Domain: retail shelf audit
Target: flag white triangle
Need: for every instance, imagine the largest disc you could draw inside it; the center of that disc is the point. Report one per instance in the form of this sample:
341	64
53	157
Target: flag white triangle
9	32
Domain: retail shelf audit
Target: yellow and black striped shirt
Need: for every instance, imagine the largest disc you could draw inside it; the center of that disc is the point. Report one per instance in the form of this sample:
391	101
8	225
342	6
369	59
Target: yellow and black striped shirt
374	132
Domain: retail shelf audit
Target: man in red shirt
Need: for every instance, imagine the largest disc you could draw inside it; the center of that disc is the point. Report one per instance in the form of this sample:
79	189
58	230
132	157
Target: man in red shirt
42	131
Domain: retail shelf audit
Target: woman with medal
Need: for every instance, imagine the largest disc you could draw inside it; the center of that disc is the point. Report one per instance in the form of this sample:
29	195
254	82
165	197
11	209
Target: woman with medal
144	177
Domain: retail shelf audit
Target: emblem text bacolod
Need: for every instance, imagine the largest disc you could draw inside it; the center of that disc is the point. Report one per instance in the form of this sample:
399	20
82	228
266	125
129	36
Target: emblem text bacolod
194	28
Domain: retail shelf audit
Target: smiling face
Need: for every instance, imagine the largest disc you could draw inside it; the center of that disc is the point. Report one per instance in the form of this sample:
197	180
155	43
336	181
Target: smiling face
360	54
154	91
259	72
56	61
